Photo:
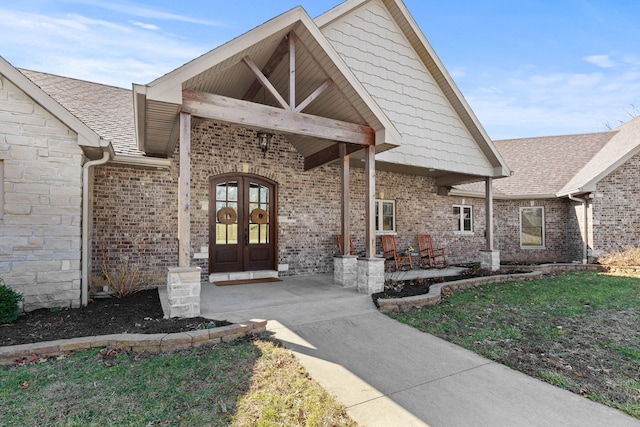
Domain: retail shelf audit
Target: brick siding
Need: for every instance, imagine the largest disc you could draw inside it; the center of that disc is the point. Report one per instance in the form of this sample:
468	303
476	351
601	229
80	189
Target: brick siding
135	209
616	214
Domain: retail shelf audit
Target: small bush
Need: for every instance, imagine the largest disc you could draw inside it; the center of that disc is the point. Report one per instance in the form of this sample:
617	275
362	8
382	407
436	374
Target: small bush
9	303
630	256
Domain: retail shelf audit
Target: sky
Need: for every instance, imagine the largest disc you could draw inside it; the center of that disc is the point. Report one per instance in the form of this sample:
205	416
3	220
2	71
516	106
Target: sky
527	67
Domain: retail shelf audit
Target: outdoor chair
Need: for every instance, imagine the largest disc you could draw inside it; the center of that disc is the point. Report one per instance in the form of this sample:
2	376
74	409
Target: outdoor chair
339	240
434	257
391	254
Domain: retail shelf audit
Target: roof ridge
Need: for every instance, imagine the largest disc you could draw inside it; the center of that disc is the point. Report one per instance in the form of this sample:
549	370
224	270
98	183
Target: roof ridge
559	136
22	70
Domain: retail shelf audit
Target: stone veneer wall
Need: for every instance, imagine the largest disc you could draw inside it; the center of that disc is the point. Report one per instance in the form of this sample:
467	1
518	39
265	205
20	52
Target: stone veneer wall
40	222
616	214
135	209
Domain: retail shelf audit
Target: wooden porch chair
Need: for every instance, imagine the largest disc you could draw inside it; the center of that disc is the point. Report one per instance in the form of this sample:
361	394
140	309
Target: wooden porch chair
339	240
434	257
391	254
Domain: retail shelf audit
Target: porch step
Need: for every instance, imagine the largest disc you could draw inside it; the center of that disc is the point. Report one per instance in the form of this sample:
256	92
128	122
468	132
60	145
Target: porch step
242	275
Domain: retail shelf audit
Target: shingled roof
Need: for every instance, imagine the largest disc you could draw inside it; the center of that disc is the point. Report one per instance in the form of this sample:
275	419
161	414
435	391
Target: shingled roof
544	165
107	110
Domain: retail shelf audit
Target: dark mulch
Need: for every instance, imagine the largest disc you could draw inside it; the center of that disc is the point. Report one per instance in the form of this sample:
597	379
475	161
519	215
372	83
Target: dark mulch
140	313
409	288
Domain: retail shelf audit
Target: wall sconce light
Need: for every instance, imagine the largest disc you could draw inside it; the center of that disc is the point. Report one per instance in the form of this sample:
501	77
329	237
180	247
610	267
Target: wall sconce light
264	139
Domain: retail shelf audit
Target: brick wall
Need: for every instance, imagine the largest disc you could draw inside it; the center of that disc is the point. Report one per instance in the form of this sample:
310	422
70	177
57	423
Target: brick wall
135	209
135	214
616	215
558	231
40	229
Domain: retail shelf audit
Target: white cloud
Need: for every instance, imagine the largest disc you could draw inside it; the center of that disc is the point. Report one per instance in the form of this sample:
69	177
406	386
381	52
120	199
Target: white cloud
602	61
538	104
92	49
146	12
146	26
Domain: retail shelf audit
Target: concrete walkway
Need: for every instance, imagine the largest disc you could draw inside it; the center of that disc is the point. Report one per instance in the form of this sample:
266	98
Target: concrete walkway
389	374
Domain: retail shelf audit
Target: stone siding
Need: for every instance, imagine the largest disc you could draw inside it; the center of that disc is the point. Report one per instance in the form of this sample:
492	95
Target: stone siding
40	221
616	214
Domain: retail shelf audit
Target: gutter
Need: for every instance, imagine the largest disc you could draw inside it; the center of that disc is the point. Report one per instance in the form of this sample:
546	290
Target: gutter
106	155
585	244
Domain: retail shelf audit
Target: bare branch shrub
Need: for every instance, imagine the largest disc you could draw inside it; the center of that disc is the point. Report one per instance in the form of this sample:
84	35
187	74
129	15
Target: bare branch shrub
128	275
630	256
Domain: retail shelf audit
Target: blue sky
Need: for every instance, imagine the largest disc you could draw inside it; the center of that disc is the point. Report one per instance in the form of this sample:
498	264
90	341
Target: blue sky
526	67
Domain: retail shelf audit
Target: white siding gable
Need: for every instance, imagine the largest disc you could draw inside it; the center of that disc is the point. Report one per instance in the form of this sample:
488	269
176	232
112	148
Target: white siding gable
378	53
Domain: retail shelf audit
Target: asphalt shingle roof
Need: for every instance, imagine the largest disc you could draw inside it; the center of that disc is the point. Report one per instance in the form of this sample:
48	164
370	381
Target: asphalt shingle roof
107	110
543	165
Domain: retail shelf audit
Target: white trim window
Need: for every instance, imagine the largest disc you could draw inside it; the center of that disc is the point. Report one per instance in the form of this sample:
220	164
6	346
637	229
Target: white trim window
385	216
532	227
463	218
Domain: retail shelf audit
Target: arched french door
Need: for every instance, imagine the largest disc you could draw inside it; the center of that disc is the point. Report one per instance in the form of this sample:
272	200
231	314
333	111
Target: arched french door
242	226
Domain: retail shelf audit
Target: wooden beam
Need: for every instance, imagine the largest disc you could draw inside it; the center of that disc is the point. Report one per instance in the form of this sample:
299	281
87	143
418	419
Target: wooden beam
316	93
346	201
184	192
328	155
272	63
344	97
370	202
489	211
216	107
266	83
292	73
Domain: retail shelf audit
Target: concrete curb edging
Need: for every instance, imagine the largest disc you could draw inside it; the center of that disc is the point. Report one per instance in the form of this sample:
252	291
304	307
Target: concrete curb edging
154	343
434	296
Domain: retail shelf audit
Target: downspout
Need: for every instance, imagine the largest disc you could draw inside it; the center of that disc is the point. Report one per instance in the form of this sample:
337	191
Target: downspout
84	293
585	244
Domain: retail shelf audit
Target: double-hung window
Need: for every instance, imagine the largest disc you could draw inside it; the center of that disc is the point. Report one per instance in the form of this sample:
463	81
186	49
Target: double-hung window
385	216
532	227
463	218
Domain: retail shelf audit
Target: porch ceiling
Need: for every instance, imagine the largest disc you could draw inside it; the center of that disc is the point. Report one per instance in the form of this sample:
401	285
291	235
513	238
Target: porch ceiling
223	72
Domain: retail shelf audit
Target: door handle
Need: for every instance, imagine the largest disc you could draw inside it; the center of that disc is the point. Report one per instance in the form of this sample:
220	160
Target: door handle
246	237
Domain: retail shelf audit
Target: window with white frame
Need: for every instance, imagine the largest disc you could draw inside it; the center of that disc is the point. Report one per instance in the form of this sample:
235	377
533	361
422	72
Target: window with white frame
532	227
385	216
463	218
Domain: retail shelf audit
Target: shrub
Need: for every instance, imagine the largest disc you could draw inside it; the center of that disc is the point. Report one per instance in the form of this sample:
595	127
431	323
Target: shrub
630	256
9	303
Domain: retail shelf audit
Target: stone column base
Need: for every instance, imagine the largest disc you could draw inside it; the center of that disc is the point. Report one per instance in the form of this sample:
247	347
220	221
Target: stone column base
490	259
370	275
183	290
345	271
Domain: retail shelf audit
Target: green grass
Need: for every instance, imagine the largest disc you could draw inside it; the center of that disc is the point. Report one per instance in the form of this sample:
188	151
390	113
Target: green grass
578	331
226	384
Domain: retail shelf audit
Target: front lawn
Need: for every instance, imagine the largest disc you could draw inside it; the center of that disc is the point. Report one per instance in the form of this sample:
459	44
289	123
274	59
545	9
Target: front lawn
579	331
248	382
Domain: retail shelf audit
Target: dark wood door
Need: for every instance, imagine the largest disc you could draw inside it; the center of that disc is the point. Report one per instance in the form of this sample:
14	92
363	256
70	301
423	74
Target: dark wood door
242	226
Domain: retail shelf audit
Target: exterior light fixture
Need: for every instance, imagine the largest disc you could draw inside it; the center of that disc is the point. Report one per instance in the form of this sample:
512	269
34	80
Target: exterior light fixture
264	139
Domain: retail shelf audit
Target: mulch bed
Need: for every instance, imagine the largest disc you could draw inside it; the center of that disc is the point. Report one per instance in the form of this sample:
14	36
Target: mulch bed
140	313
409	288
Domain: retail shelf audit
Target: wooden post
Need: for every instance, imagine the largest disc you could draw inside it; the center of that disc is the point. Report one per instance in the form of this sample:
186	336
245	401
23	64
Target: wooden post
292	73
184	192
346	201
370	202
489	210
